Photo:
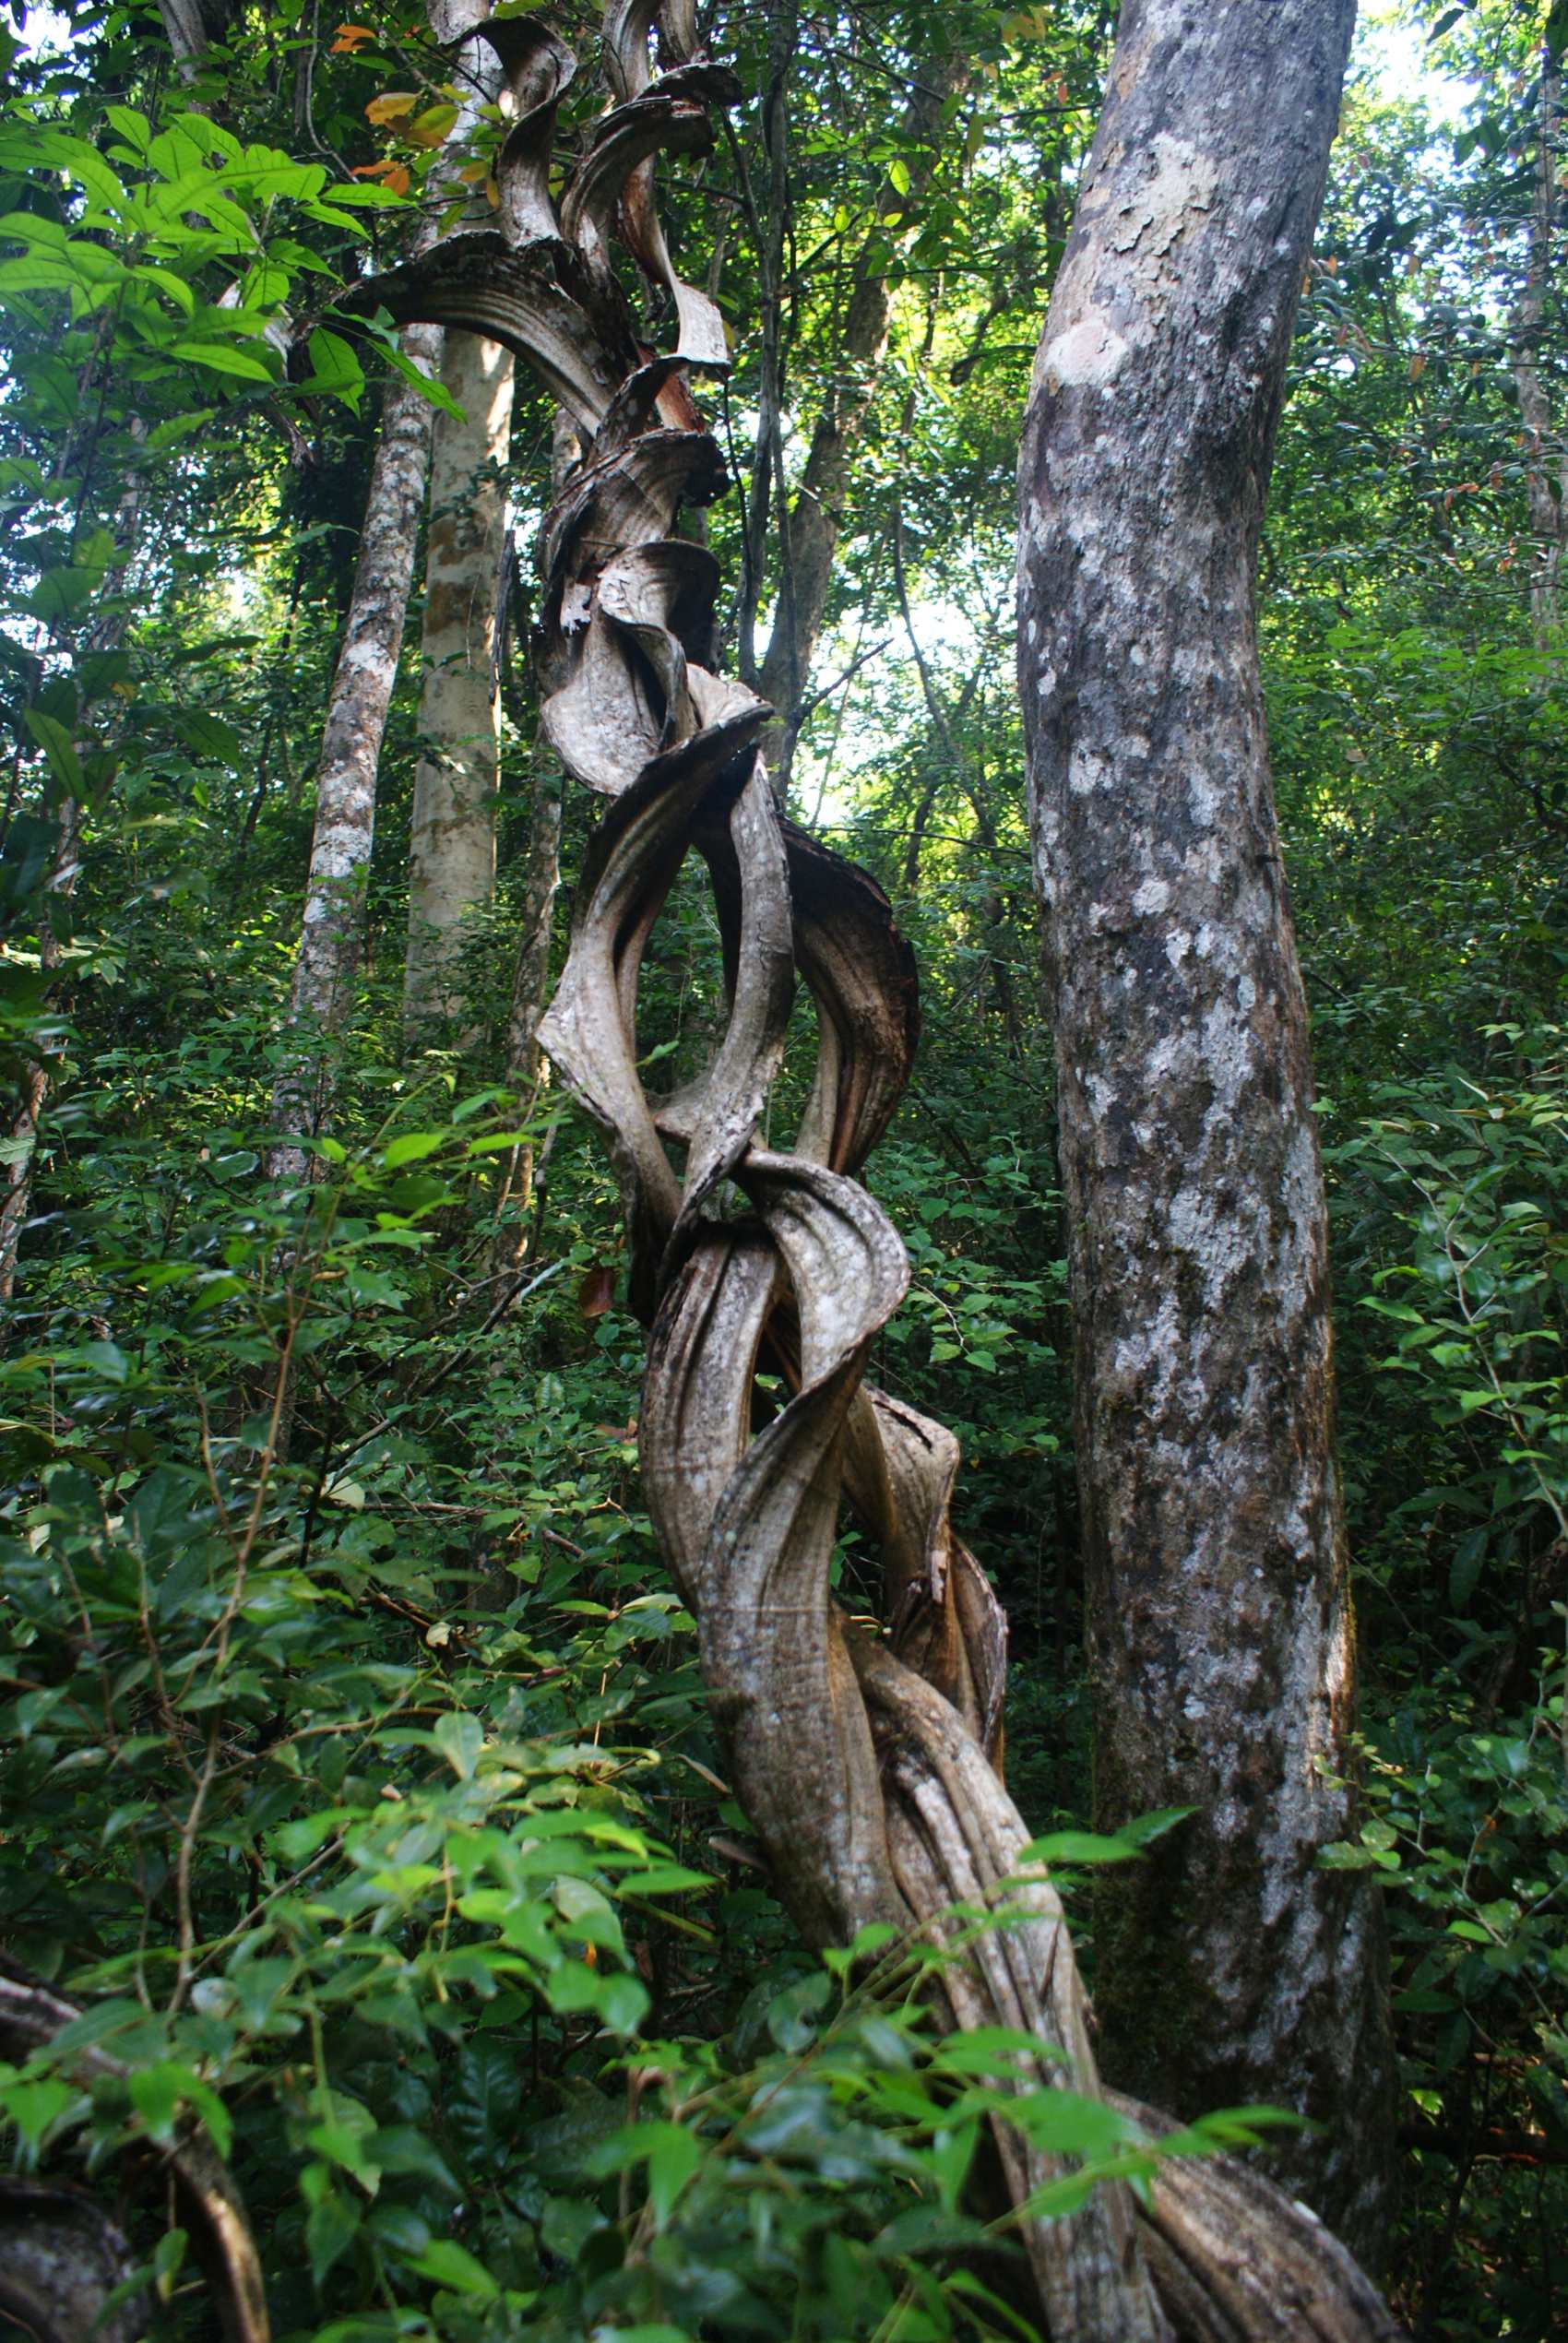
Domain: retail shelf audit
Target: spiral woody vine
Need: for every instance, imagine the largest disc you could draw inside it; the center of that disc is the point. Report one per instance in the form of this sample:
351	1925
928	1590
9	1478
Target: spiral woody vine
869	1762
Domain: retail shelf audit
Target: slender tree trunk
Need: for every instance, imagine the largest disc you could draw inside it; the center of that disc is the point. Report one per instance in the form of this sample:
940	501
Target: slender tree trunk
452	838
452	831
332	931
1220	1621
527	1067
1545	457
816	514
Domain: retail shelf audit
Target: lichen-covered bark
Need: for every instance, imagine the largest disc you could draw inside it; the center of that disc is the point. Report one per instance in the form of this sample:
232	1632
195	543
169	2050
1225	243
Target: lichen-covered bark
1231	1968
332	929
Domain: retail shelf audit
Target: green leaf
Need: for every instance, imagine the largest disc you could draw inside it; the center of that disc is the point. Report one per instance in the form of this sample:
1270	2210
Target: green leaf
224	359
336	369
58	747
411	1147
459	1738
452	2265
330	2229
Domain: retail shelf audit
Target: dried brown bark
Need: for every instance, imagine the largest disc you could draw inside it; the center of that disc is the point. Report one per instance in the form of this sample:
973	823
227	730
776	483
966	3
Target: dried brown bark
332	929
1215	1559
868	1763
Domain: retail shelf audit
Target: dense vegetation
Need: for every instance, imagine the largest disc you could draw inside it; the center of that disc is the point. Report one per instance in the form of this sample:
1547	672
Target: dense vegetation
355	1770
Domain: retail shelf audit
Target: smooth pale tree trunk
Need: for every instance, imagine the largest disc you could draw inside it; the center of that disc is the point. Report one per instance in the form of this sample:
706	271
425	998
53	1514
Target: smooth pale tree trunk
1546	459
452	831
1231	1967
452	838
817	513
332	931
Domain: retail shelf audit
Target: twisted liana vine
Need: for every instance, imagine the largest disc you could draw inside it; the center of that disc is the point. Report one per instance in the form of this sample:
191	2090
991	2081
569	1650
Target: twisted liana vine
869	1763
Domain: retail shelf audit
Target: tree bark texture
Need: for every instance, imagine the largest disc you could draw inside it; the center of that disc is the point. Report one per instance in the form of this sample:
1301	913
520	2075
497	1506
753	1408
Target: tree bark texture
1231	1968
1546	455
332	930
868	1763
452	835
452	830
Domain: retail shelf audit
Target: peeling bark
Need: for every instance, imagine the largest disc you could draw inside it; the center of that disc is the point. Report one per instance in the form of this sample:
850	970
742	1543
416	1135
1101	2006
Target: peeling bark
1220	1621
868	1763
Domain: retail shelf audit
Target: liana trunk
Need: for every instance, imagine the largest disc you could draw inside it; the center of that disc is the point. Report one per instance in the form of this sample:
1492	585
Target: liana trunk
1219	1622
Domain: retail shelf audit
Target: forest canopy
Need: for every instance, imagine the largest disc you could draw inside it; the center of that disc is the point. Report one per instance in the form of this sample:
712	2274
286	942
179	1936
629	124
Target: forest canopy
396	1938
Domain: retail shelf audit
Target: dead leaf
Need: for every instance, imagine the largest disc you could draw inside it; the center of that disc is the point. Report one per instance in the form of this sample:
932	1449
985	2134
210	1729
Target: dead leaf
392	105
596	1293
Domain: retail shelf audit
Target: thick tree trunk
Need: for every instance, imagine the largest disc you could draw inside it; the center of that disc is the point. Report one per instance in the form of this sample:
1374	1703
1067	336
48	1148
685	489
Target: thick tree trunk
1545	457
452	838
1231	1967
816	514
332	931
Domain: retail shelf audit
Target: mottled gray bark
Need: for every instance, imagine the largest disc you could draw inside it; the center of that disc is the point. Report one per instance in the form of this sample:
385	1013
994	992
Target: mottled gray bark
332	930
1231	1967
1546	455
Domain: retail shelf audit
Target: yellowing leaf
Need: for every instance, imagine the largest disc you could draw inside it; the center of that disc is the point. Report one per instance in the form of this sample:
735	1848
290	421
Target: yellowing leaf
392	105
392	176
432	126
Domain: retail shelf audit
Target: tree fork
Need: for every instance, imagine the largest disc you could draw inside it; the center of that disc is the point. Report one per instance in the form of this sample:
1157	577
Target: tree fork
867	1764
